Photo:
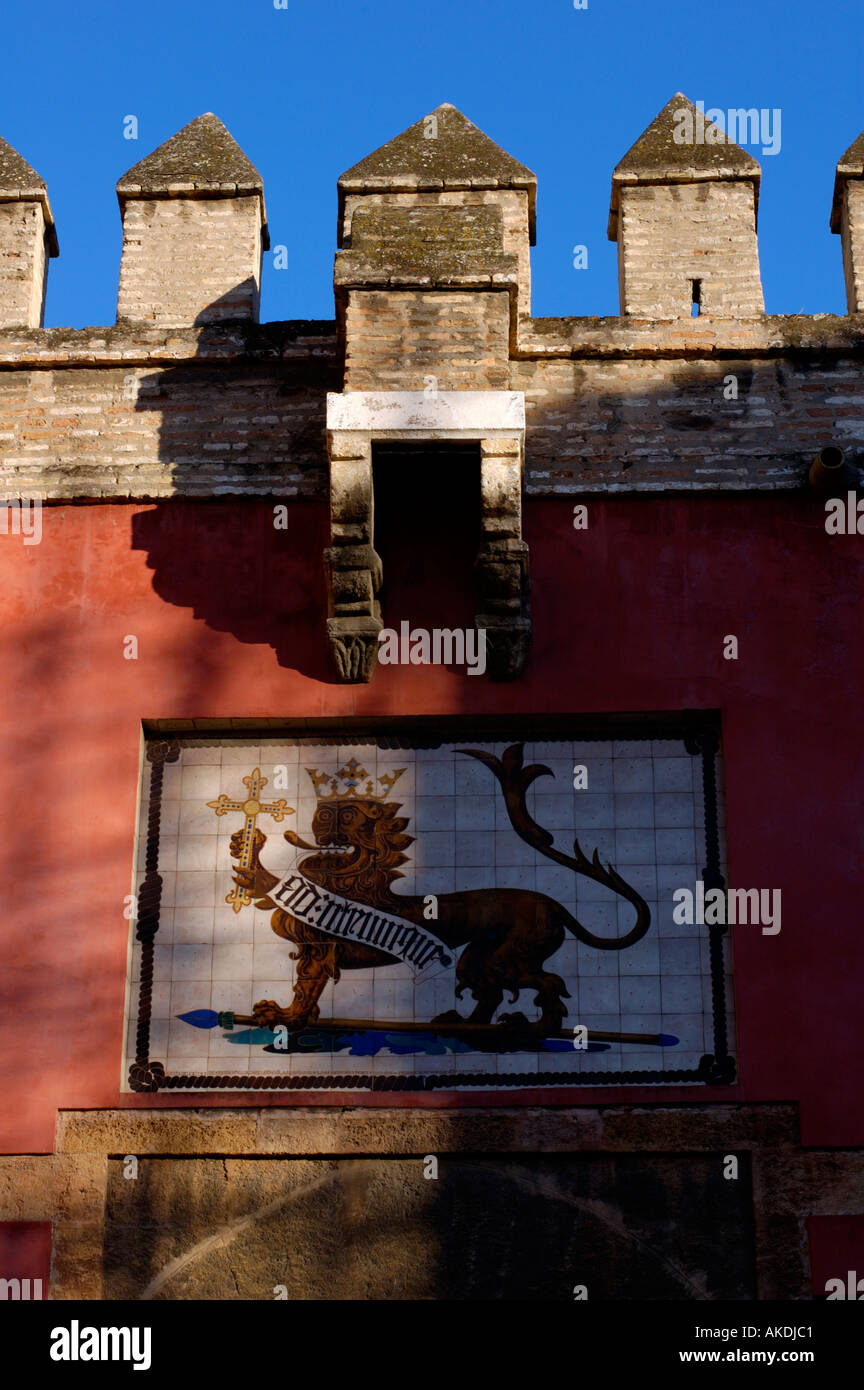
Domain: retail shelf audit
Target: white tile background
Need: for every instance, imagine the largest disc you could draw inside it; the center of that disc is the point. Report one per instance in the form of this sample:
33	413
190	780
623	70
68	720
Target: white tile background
642	809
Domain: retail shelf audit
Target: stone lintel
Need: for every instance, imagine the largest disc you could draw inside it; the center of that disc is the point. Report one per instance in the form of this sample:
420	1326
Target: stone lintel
427	415
674	1125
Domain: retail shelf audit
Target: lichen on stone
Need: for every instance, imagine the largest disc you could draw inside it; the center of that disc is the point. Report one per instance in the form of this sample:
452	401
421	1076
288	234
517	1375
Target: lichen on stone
441	150
203	154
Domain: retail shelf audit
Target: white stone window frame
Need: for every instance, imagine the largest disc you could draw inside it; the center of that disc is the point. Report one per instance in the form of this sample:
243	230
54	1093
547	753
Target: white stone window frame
356	421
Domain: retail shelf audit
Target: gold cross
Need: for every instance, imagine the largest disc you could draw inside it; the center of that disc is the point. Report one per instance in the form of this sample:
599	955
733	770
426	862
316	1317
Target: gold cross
251	808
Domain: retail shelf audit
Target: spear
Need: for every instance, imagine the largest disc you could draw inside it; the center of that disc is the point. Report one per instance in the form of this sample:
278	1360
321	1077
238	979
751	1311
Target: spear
209	1018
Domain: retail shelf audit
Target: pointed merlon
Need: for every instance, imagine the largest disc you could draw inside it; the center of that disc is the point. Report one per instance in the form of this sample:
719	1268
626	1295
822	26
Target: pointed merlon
201	160
661	151
202	157
20	183
440	151
850	166
681	146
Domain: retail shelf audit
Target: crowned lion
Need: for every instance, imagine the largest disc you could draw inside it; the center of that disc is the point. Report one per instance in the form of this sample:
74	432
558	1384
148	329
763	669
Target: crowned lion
504	935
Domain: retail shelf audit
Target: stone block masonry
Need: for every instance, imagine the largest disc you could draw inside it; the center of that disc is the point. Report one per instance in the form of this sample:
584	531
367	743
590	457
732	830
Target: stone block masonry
268	1155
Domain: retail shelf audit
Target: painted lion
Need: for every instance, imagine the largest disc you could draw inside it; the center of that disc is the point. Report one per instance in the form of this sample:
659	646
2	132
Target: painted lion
507	933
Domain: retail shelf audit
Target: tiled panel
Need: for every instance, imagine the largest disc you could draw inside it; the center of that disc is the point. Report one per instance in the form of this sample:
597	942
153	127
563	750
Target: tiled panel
517	924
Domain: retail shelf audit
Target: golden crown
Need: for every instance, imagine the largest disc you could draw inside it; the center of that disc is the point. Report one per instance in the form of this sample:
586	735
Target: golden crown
347	784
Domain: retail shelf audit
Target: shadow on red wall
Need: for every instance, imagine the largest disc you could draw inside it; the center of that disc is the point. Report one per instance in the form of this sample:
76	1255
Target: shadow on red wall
254	568
228	562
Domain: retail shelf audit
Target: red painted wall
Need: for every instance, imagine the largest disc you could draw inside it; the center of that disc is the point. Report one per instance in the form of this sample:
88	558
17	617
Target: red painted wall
25	1254
629	615
836	1251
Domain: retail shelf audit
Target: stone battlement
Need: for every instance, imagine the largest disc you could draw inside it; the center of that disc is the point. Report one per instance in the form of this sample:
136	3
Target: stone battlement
690	387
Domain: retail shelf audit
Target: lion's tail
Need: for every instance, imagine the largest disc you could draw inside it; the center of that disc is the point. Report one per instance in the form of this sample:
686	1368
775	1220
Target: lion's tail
612	943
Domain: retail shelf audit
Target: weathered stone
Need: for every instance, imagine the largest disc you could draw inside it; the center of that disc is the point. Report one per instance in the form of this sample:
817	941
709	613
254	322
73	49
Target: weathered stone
203	157
354	647
847	218
378	1229
194	228
501	488
225	1222
440	151
684	216
27	239
435	243
659	156
442	172
155	1131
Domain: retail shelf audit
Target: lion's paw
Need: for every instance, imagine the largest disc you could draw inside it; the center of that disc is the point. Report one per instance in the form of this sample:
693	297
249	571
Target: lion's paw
517	1020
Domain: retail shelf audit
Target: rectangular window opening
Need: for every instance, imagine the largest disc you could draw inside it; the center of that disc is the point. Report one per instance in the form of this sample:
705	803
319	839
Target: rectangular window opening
427	532
696	298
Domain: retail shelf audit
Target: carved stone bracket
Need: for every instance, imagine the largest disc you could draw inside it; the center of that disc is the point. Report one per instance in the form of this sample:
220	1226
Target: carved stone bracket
495	421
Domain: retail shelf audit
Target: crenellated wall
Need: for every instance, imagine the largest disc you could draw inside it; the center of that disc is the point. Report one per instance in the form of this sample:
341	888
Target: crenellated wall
611	405
188	396
415	215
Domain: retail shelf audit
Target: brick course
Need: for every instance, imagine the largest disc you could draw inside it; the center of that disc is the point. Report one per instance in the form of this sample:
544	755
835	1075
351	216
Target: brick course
397	338
672	234
852	232
190	260
611	405
22	263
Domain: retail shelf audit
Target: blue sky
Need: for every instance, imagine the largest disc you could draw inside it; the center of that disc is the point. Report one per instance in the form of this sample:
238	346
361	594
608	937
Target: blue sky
310	89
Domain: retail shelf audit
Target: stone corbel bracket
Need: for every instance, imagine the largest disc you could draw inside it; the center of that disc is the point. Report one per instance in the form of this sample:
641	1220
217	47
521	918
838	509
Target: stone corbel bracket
495	421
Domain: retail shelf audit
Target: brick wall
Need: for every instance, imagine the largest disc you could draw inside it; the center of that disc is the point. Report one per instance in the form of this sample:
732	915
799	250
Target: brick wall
671	235
22	264
396	338
514	211
612	405
852	232
188	260
641	425
119	417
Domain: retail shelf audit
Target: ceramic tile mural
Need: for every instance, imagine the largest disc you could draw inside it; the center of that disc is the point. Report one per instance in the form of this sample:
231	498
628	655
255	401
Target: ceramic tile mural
387	914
